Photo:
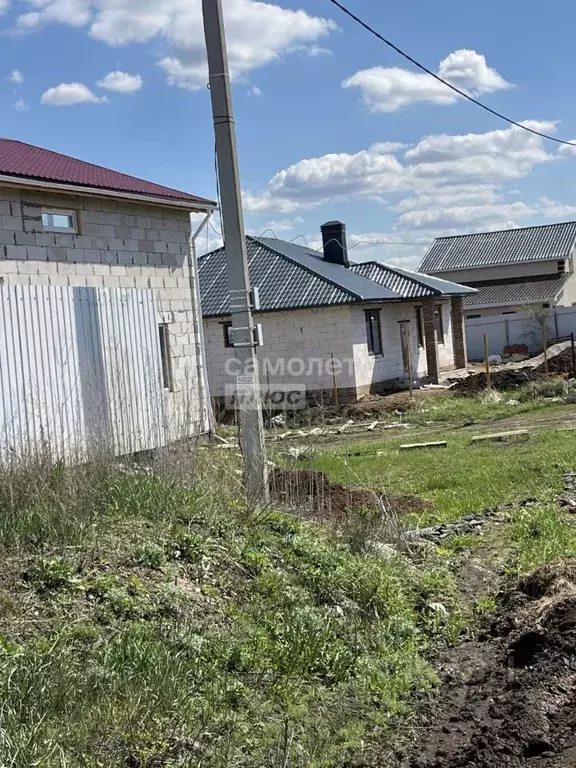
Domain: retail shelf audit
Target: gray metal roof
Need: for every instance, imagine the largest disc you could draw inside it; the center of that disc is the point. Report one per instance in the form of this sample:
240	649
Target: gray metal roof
543	288
290	276
411	285
509	246
313	261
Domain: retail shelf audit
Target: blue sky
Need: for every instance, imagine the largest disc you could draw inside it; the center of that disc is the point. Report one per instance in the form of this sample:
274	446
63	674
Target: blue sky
331	123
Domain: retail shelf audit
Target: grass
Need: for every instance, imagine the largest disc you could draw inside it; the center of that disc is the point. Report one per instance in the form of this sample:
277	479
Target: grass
148	621
451	410
541	534
461	478
151	619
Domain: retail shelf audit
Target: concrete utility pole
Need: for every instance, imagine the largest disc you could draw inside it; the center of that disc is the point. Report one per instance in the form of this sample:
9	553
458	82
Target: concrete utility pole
243	331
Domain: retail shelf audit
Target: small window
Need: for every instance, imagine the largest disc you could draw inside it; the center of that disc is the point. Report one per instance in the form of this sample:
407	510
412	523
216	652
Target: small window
226	328
59	221
546	306
420	326
562	266
373	331
439	324
472	317
510	312
166	357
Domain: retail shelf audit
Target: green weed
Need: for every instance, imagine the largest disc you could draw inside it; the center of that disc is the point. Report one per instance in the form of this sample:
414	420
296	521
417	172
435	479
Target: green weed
540	534
53	574
195	633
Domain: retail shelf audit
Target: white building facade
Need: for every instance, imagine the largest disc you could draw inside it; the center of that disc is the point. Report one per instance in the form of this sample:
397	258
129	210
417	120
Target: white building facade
373	336
110	232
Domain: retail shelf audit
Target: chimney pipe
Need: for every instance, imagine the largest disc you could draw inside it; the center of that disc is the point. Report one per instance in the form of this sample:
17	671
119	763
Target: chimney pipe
334	243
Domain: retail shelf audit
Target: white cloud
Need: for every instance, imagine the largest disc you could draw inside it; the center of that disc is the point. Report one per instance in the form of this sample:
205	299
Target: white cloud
121	82
567	150
462	195
3	6
555	210
278	226
20	105
254	91
468	70
70	94
258	33
450	163
74	13
313	51
498	216
390	89
443	185
265	202
15	77
333	176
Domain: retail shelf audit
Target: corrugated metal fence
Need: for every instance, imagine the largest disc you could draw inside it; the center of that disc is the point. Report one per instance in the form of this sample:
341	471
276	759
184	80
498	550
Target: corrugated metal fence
80	371
517	328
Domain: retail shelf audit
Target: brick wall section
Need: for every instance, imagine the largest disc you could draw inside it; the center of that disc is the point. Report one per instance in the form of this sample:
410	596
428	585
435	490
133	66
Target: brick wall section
458	333
118	245
431	339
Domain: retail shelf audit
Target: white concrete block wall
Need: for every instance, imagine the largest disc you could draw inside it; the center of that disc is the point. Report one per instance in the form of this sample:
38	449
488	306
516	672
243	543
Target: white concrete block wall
314	334
371	369
118	245
309	335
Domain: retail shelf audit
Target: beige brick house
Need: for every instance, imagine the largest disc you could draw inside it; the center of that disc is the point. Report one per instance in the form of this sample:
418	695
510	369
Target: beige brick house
328	324
67	223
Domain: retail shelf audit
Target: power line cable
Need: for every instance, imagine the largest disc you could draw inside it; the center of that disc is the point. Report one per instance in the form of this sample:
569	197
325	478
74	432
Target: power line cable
371	242
445	82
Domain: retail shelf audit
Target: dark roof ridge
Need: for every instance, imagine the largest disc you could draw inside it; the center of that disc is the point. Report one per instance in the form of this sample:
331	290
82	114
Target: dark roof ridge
508	229
305	268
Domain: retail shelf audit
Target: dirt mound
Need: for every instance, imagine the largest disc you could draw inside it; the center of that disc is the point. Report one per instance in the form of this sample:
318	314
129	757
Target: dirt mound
314	493
515	375
503	379
511	699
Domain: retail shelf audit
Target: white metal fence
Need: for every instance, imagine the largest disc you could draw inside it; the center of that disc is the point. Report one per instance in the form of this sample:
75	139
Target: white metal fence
517	328
80	371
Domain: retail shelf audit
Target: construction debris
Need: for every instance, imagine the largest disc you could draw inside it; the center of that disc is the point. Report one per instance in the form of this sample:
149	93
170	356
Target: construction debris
558	360
416	446
502	437
335	430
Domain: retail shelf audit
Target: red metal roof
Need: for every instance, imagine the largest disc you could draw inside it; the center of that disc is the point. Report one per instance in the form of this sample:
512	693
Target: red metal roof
30	162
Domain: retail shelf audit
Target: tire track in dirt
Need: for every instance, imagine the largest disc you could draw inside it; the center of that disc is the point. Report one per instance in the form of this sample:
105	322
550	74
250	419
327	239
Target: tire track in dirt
508	700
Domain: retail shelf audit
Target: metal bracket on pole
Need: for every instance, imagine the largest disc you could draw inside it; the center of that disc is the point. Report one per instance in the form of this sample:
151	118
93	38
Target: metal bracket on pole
255	332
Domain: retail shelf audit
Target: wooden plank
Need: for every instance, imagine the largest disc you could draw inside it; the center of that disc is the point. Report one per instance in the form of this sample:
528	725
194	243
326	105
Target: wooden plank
501	436
416	446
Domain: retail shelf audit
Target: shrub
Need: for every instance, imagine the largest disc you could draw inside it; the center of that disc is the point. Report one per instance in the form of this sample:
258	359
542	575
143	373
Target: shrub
53	574
150	555
551	386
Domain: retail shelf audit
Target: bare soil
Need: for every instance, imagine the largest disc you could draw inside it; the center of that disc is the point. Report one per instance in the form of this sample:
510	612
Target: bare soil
325	500
509	699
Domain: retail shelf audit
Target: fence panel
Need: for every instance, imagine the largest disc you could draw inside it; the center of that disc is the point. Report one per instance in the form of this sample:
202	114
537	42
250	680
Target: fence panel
80	371
517	328
133	369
